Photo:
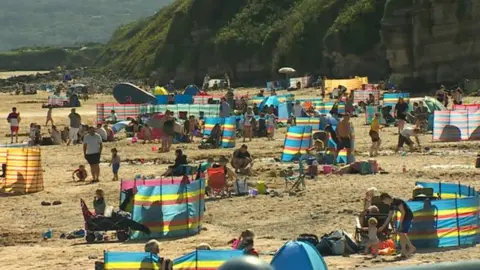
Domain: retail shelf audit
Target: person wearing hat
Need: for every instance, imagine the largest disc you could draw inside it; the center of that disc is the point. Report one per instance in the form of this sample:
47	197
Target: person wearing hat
375	135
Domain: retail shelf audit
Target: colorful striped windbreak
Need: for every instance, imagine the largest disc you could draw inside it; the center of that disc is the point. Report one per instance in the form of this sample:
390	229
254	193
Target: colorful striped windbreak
313	122
370	113
362	95
456	126
169	210
205	259
445	222
24	170
130	260
207	110
297	140
123	111
468	107
392	99
58	101
228	125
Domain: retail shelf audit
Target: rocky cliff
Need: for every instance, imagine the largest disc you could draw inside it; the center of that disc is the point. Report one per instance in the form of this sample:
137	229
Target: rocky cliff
432	41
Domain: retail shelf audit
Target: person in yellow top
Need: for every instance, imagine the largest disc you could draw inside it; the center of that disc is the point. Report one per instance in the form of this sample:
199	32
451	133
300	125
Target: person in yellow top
375	135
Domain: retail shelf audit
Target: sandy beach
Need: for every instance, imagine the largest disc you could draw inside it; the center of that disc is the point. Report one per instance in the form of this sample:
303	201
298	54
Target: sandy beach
330	202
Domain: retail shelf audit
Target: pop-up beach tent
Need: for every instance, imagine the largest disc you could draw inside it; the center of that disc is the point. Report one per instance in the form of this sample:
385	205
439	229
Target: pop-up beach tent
298	255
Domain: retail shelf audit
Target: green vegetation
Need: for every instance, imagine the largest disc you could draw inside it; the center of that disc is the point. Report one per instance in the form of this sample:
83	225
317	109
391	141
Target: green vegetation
243	37
67	22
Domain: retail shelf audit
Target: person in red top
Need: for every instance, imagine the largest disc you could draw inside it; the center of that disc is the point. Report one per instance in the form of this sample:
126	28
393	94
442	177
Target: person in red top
80	173
14	120
249	249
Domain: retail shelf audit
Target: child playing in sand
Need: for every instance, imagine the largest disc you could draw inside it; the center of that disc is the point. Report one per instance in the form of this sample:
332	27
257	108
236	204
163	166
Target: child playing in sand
115	163
147	134
99	202
271	126
372	243
80	173
249	249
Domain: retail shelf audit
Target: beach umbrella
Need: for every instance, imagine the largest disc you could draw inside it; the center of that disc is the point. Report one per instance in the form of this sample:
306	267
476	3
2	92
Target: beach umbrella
286	70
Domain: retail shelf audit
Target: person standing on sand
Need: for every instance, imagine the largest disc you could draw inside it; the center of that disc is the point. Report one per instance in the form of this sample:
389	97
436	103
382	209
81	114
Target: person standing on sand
401	110
49	116
75	123
375	135
14	120
407	248
92	150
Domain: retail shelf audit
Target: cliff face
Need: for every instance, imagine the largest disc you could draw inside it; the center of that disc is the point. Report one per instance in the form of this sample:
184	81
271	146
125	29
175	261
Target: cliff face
251	39
432	41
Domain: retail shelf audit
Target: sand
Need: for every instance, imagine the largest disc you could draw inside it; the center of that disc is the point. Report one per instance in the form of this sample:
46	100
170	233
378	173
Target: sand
330	202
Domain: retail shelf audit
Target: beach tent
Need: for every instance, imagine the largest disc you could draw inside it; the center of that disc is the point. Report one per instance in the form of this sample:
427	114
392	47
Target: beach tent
431	103
205	259
159	91
298	255
269	101
449	126
284	112
191	90
117	127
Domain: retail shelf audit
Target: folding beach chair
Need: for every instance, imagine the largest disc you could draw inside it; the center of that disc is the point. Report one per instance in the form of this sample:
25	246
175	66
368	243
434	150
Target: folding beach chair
217	182
299	179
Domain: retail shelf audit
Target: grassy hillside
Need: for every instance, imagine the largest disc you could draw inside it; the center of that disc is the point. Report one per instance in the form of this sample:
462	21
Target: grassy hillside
67	22
247	38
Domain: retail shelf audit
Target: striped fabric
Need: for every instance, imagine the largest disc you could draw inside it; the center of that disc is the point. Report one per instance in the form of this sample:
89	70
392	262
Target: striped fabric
370	113
342	155
205	259
209	110
130	261
57	101
228	126
123	111
445	222
24	171
169	210
392	99
468	107
313	122
204	99
451	126
297	140
449	190
327	106
362	95
302	80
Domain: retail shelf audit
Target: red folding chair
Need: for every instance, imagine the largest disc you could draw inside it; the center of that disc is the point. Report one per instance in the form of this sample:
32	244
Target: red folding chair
217	181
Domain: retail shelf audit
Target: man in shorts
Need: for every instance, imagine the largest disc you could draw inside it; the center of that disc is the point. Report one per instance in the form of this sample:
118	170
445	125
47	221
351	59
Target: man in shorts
344	132
75	123
407	248
374	134
404	138
14	120
92	150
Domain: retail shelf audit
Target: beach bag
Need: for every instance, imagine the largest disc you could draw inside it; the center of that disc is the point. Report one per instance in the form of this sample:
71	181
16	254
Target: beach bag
241	187
309	238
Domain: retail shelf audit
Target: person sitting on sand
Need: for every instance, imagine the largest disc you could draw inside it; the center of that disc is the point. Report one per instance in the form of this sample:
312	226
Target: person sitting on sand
152	246
102	132
215	137
240	242
147	134
242	160
80	173
177	168
64	134
110	135
99	203
372	243
249	249
55	135
404	138
407	248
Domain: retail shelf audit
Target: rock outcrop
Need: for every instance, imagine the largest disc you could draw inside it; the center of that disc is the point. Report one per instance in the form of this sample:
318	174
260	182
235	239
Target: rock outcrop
432	41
